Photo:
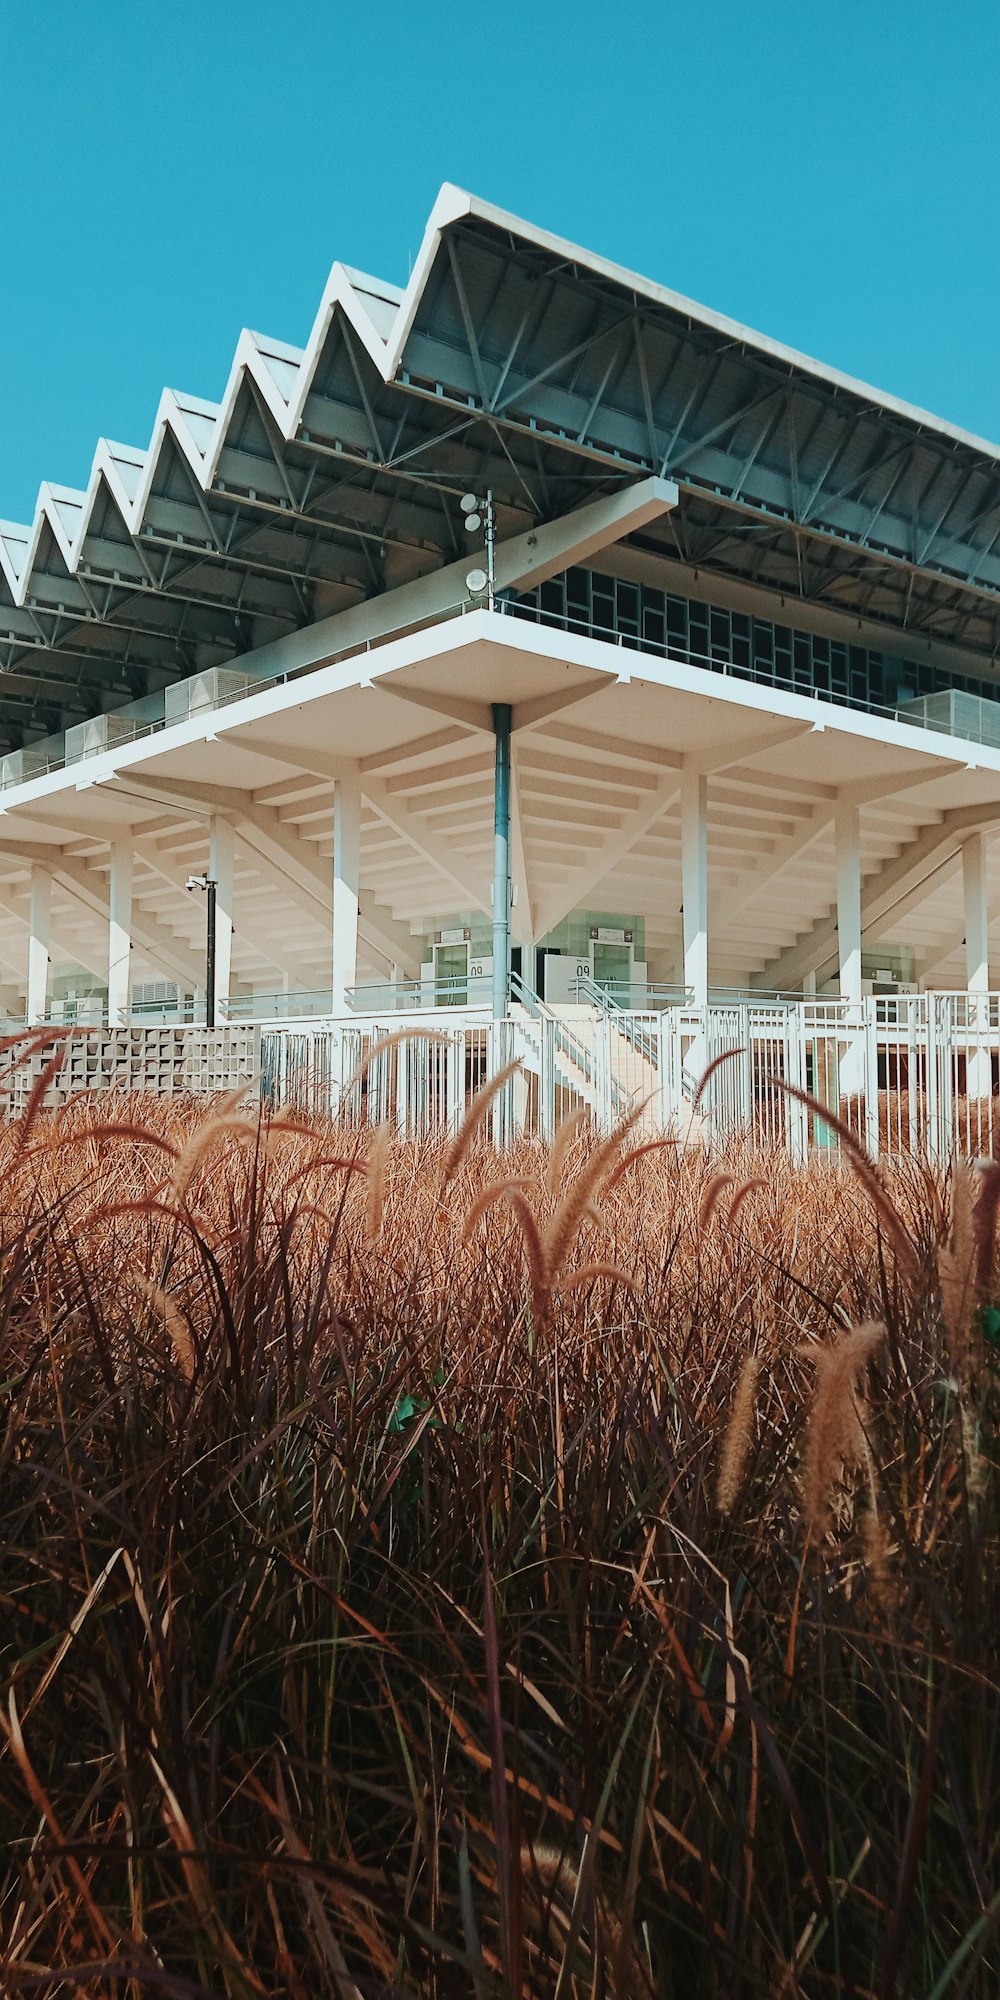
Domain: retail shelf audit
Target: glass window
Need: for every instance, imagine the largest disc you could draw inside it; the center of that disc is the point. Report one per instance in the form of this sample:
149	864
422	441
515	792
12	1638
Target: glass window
698	632
654	631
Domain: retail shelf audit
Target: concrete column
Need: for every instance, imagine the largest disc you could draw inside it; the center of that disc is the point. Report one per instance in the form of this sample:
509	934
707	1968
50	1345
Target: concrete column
694	874
346	888
120	932
979	1056
221	857
847	826
39	911
977	930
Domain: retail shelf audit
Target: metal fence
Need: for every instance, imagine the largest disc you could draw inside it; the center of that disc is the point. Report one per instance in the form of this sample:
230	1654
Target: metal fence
905	1074
914	1073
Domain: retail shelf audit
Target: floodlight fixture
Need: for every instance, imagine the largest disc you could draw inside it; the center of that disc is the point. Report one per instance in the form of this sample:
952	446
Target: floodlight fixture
480	513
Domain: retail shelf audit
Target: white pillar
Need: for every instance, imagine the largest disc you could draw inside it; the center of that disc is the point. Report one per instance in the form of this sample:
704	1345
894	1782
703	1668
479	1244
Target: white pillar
847	825
346	887
977	929
694	875
221	860
39	909
120	932
979	1056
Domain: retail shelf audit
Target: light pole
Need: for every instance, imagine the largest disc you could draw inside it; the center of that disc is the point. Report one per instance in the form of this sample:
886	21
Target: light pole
210	886
482	514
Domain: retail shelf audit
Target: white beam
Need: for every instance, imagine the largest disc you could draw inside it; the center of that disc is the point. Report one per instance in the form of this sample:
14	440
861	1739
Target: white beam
767	872
175	958
296	861
694	872
221	867
521	562
253	931
654	803
441	854
900	884
39	914
719	756
388	939
63	946
346	888
120	932
298	865
977	929
847	828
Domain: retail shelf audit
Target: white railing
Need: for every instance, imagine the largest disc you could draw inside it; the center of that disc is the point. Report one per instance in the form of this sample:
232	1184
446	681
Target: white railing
909	1074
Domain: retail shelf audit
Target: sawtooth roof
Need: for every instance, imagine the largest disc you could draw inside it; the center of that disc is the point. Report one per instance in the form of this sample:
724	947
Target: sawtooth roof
330	473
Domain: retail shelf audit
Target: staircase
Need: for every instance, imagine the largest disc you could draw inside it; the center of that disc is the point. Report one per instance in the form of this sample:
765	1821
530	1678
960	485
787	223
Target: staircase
657	1060
571	1045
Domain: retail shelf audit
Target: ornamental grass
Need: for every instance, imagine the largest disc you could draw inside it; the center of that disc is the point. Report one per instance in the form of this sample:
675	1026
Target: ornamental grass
428	1571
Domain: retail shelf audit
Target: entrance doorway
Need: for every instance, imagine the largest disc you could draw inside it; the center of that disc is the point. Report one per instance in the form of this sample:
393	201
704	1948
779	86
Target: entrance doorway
611	970
451	975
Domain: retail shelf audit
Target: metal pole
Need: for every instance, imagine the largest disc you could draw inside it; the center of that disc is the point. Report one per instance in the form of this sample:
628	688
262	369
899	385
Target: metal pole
211	888
491	582
501	860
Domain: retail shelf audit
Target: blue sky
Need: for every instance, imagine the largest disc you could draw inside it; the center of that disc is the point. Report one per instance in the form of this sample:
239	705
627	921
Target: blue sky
173	173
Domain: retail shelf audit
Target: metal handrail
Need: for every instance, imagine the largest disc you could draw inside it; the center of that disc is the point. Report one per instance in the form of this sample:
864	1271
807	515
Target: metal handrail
569	1044
531	613
625	1021
395	995
255	684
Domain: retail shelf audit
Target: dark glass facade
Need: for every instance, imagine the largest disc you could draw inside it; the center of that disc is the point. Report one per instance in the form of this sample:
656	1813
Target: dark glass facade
734	642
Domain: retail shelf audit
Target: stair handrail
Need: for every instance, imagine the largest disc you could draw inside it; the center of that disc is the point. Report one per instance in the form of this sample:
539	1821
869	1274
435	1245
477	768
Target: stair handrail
569	1044
645	1045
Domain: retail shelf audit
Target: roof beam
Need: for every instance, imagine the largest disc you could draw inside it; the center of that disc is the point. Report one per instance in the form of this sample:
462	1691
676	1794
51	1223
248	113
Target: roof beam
295	860
558	904
521	920
256	934
900	885
525	560
439	851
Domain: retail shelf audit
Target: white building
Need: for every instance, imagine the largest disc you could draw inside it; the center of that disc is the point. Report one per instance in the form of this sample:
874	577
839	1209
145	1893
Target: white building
717	721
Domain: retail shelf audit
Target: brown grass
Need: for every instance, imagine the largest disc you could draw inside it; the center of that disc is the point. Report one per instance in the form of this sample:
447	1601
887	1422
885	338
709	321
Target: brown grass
433	1573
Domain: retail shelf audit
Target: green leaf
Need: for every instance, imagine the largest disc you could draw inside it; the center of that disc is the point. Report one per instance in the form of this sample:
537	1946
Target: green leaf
405	1409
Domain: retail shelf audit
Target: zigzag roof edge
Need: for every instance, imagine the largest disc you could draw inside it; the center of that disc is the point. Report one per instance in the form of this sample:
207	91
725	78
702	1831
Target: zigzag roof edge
171	422
349	289
354	292
14	540
762	343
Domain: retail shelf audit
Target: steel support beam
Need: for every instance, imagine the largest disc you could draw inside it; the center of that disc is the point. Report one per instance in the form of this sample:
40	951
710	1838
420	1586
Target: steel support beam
120	932
346	889
694	872
977	924
39	916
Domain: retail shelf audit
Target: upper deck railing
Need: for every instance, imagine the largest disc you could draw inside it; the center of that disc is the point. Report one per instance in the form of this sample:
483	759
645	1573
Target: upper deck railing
951	712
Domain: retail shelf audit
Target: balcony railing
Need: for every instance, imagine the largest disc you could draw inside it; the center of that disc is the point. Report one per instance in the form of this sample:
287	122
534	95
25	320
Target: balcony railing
951	712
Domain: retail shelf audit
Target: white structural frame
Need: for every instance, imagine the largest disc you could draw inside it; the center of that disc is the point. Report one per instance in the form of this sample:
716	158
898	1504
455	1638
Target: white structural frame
336	784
